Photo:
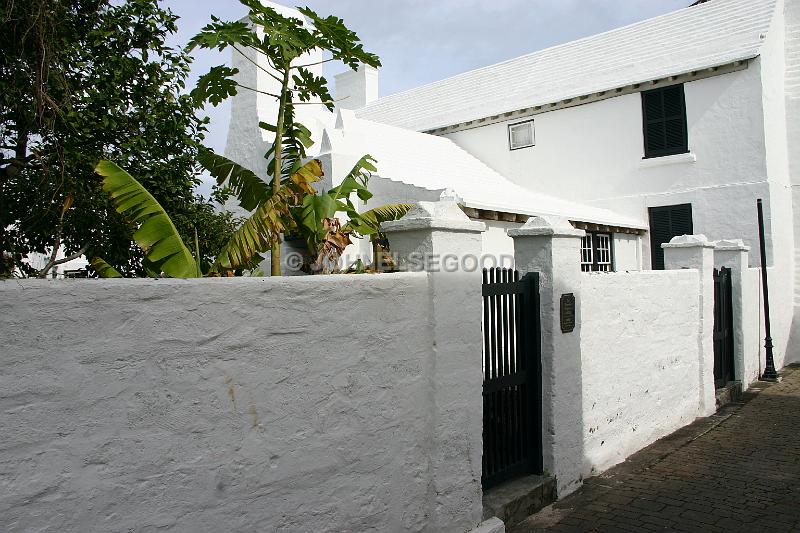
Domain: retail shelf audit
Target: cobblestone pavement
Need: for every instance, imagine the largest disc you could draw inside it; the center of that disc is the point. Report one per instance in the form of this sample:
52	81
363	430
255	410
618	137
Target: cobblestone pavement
738	470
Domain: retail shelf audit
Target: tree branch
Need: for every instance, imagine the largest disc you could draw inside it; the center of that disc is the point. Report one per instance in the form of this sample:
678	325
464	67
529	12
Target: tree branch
313	64
56	245
75	255
276	78
321	102
53	262
277	97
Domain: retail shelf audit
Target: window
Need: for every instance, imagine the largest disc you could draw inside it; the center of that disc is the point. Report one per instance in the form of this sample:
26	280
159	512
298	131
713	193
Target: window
667	222
664	121
521	135
596	252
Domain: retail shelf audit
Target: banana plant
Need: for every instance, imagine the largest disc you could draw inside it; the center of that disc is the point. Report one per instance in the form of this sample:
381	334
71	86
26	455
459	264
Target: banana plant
368	225
270	207
316	219
156	235
103	269
164	249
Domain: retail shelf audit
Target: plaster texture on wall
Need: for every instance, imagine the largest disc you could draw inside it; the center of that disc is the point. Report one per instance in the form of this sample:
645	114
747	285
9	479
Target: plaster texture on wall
639	357
497	245
784	352
627	252
246	404
441	229
750	335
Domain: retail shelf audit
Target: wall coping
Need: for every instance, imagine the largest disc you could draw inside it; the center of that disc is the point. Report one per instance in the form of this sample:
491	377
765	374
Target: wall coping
689	241
441	215
731	245
549	225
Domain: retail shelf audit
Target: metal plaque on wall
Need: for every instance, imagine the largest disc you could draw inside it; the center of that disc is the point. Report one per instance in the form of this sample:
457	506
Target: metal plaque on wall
567	312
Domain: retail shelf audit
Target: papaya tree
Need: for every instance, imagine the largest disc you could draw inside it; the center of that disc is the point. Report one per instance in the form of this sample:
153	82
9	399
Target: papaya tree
285	40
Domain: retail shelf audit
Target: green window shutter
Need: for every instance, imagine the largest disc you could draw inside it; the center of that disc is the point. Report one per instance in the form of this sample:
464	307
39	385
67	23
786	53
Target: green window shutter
664	121
667	222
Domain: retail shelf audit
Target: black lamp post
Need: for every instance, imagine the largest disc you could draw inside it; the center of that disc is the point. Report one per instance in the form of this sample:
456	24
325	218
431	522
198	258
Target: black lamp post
769	370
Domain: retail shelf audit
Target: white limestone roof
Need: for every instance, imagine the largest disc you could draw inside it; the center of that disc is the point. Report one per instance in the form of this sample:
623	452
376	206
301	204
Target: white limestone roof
438	164
694	38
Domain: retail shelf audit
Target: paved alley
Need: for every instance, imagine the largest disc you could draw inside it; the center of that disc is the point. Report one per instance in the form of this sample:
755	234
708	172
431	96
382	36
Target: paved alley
736	471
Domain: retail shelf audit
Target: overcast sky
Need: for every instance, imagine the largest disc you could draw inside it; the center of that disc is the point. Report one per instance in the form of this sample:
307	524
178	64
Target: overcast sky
421	41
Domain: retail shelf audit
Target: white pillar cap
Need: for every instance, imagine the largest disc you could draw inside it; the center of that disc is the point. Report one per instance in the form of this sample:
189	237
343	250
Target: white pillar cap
689	241
551	225
731	245
441	215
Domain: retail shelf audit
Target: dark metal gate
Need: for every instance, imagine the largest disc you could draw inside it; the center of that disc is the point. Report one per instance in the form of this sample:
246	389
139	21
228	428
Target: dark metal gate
723	328
512	383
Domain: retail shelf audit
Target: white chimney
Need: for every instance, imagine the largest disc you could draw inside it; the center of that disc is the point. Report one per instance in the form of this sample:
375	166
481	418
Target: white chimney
356	88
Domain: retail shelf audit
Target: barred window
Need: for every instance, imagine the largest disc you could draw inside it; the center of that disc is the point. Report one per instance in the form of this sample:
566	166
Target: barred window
603	251
597	253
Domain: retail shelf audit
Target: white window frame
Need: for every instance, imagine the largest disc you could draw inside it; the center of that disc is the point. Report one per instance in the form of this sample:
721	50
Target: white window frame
587	253
511	127
603	252
597	252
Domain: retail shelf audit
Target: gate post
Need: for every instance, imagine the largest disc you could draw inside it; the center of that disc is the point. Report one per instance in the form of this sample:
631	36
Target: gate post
696	252
551	246
734	254
439	238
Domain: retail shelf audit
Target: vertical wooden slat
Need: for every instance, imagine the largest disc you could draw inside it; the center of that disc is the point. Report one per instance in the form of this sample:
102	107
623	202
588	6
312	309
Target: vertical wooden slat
515	323
506	339
500	340
486	367
493	326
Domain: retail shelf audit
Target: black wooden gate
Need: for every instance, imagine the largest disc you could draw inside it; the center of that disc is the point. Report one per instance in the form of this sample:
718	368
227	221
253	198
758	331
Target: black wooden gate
512	383
723	328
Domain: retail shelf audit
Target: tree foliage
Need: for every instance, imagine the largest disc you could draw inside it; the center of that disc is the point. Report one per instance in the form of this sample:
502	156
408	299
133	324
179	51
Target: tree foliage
84	80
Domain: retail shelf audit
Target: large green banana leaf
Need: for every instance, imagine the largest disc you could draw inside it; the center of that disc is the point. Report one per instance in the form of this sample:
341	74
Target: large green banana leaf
369	222
156	234
103	269
310	217
245	184
251	190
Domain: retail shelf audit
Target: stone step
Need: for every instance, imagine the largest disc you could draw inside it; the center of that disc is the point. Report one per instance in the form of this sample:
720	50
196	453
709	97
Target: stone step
514	501
730	393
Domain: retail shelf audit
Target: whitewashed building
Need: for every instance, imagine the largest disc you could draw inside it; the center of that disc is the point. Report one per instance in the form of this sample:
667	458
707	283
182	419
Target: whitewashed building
671	126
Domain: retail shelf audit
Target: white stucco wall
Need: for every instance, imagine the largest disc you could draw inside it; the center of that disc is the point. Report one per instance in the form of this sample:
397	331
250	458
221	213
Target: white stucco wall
750	337
792	88
498	247
243	404
627	252
639	356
